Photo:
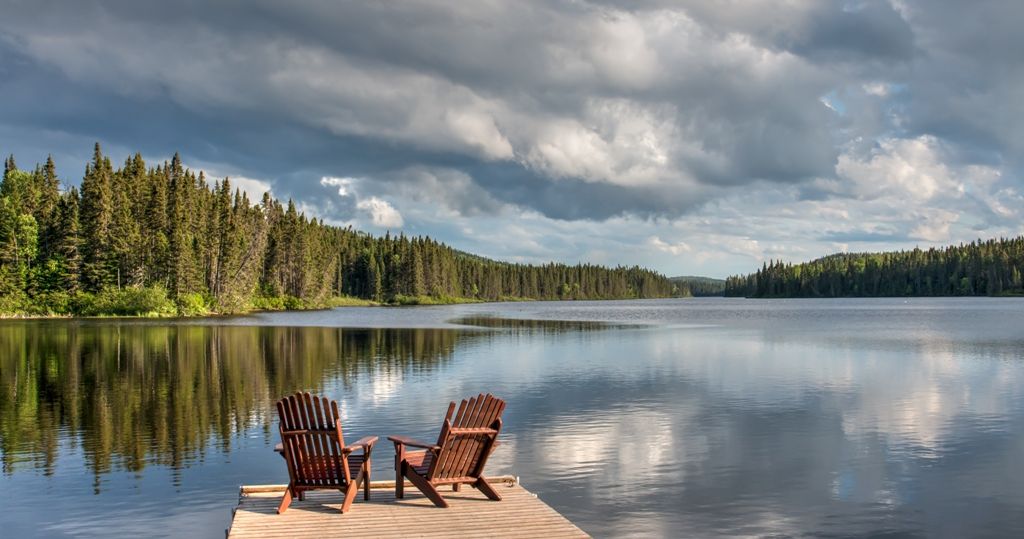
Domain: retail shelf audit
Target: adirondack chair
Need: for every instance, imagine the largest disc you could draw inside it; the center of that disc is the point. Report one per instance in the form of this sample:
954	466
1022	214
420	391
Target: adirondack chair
317	457
459	455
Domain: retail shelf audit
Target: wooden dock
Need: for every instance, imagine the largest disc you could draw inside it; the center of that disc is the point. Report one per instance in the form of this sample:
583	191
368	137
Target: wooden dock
519	514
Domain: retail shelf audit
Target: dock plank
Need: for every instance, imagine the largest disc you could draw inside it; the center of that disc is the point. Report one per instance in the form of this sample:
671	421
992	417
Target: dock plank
519	514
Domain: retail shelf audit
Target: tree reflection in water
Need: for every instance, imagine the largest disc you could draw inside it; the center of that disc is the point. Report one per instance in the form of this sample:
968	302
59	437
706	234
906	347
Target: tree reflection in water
132	395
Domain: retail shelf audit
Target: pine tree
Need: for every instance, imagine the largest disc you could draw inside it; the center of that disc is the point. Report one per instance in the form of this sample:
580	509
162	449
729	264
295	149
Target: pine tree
98	266
68	240
47	211
155	259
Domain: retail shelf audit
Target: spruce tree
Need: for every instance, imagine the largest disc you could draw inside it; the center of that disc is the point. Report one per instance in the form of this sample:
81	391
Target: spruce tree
97	210
68	240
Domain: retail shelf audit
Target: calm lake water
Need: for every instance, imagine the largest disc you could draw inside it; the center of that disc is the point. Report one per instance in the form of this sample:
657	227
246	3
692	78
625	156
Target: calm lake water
706	417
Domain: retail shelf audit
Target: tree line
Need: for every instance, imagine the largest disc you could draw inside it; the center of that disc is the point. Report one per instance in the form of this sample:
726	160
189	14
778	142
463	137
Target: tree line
700	286
164	240
979	268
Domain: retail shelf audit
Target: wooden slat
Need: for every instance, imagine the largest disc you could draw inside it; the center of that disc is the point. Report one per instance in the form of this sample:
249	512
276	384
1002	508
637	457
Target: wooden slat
491	405
245	490
520	514
467	444
316	452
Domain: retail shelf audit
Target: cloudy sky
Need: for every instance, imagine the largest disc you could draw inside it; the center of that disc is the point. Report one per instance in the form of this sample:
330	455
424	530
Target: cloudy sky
694	137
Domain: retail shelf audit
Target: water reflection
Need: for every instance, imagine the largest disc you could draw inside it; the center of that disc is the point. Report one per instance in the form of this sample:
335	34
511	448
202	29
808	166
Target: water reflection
132	395
535	325
820	420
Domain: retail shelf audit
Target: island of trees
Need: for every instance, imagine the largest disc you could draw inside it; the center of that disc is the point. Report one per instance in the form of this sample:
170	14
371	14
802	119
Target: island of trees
164	240
979	268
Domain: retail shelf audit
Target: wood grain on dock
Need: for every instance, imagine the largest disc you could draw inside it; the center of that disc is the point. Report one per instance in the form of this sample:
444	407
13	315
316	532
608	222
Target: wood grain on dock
519	514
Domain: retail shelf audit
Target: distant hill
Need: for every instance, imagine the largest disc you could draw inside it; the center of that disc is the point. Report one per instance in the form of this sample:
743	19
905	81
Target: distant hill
980	268
700	286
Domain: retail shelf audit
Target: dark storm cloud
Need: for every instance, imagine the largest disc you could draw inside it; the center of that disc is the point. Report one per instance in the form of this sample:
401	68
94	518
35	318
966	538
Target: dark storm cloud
854	32
576	110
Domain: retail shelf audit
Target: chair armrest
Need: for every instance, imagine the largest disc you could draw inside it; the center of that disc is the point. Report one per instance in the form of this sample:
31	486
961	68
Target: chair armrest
366	442
405	440
472	430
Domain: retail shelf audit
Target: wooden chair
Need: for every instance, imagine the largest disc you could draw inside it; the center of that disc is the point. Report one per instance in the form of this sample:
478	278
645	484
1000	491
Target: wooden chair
317	457
459	455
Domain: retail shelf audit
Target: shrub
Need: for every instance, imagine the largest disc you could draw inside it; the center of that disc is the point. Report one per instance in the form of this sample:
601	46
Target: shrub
130	301
293	303
268	303
13	304
347	301
194	304
50	303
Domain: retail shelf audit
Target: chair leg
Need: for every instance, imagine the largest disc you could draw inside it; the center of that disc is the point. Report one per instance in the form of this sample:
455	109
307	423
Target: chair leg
487	489
399	480
366	481
286	500
350	493
456	487
427	489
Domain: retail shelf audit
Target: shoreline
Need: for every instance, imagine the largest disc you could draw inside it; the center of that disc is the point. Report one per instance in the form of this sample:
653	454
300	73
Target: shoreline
423	301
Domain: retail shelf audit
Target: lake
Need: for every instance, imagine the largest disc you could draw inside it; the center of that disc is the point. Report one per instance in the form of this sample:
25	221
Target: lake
703	417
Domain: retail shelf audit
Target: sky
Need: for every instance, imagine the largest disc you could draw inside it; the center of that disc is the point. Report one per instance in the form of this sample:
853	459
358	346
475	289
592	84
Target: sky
692	137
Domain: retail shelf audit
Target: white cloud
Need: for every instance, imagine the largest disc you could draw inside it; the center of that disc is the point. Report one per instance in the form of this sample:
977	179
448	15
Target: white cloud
933	225
912	169
344	185
382	213
877	89
677	248
252	187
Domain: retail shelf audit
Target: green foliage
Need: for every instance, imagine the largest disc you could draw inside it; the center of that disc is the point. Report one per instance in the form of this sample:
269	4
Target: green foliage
13	304
53	303
268	303
348	301
432	300
194	304
980	268
131	301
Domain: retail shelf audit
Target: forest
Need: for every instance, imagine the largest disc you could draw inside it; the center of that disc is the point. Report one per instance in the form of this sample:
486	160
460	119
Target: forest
164	240
700	286
979	268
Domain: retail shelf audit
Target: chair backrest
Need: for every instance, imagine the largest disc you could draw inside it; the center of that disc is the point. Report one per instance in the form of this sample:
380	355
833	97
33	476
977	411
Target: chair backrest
466	440
312	440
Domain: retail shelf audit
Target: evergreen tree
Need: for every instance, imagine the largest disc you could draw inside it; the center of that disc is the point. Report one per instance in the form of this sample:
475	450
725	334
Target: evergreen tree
68	241
97	213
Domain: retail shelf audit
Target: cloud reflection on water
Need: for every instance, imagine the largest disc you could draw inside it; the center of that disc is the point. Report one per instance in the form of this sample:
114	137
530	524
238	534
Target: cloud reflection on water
813	419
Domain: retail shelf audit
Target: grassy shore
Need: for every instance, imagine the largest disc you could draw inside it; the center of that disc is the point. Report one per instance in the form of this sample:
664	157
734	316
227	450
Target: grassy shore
153	302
